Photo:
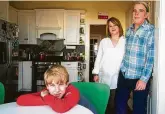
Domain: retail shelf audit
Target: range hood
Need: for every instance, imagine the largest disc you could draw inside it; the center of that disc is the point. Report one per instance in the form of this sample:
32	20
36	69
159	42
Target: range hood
48	36
48	33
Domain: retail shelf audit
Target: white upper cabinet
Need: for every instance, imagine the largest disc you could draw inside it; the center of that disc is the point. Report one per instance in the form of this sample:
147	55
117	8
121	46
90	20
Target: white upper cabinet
26	24
71	27
50	21
13	15
4	5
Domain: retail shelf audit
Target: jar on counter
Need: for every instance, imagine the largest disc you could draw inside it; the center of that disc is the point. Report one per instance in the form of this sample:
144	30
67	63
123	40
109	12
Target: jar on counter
42	56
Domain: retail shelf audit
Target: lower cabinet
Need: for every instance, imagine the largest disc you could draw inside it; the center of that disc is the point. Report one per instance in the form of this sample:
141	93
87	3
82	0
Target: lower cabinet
72	70
75	71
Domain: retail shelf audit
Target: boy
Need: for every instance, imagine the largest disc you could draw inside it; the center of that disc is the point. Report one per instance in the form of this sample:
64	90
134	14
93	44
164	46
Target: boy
58	94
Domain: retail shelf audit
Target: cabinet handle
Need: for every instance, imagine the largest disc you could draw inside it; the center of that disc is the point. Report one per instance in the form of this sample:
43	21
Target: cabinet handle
26	39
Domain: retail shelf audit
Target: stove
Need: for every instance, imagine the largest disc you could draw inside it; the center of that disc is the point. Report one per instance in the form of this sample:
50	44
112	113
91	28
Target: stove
38	70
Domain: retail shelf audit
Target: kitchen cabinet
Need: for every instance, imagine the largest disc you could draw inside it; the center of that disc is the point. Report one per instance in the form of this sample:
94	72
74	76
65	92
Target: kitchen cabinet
75	70
13	15
26	24
72	68
71	27
50	21
4	5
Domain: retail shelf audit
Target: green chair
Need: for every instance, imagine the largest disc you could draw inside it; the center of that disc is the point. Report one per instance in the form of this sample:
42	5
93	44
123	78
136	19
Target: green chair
2	93
96	93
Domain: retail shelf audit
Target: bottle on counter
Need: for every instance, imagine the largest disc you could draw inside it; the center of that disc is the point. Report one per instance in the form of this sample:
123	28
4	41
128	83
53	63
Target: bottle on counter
82	56
81	40
24	55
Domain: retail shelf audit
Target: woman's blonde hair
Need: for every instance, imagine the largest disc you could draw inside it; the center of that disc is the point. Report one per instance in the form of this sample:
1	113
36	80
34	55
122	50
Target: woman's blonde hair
56	73
116	22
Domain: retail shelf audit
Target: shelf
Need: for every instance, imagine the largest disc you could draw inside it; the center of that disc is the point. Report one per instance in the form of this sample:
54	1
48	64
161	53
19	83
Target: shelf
48	28
40	85
82	34
75	45
83	24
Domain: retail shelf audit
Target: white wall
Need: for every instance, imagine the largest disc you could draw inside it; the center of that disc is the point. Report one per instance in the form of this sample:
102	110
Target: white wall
158	94
155	73
161	61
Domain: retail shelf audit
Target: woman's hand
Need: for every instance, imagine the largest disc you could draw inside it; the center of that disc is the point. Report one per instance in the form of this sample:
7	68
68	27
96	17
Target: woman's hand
96	78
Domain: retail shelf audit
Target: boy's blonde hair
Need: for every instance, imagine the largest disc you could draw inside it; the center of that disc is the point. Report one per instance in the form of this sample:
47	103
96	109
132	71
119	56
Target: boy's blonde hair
57	74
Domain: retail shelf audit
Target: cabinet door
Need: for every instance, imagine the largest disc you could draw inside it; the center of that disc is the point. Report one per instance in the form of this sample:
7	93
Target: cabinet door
23	27
71	27
4	10
13	15
73	74
32	29
72	70
26	23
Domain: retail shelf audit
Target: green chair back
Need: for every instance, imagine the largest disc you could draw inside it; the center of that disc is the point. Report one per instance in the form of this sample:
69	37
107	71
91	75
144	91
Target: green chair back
97	93
2	93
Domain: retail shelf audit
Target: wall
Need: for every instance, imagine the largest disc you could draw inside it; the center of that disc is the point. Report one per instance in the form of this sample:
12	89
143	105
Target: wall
128	17
92	14
158	99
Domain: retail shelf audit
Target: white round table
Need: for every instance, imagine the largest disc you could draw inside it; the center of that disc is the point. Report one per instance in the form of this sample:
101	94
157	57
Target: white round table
13	108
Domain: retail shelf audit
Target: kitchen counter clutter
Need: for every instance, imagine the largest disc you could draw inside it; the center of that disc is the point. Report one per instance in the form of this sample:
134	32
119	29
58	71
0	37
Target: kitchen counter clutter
74	57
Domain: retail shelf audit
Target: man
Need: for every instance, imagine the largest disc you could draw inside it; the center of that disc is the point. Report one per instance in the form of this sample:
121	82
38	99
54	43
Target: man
137	63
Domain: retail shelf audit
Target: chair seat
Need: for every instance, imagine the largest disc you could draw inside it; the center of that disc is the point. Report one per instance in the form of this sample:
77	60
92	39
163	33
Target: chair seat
97	93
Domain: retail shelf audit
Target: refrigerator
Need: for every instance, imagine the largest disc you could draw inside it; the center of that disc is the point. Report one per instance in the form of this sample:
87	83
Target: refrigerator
9	53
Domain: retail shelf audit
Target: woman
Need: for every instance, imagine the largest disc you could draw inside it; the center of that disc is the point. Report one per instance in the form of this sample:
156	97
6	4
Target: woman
137	64
109	57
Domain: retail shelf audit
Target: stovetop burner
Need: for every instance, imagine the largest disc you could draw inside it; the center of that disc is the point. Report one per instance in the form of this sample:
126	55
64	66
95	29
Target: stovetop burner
46	63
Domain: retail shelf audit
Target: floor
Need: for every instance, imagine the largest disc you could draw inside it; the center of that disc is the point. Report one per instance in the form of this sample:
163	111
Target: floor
111	106
112	111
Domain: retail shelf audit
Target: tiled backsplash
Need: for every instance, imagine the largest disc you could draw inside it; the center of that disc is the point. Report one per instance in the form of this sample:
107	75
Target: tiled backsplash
76	54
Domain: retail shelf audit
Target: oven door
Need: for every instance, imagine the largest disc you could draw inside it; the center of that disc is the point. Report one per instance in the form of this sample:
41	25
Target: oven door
3	58
38	77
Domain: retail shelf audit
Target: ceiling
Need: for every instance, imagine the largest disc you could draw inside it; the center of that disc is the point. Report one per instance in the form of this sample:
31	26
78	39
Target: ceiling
83	5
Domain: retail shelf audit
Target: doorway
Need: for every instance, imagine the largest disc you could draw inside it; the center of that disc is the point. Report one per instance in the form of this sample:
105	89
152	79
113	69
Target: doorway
97	32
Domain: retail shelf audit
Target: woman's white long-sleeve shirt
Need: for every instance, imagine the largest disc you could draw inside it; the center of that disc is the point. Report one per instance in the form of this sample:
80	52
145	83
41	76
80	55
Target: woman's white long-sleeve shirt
108	61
